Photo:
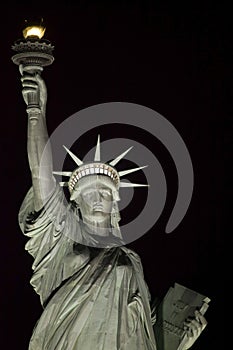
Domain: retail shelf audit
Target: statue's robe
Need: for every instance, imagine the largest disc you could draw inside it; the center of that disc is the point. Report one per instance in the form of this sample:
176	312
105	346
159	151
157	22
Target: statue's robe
92	298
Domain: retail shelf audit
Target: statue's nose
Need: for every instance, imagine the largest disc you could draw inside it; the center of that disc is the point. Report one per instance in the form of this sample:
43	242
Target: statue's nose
96	196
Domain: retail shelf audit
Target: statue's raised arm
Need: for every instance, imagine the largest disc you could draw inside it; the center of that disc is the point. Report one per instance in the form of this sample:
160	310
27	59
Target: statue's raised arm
37	138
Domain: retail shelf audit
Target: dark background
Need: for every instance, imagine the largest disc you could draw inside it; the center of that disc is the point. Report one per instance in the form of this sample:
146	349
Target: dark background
177	61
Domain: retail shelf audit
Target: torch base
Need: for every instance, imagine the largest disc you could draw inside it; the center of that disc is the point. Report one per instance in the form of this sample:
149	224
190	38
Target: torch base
40	59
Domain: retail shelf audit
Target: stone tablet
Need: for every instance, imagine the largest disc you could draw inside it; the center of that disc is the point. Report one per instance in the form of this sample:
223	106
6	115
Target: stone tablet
178	304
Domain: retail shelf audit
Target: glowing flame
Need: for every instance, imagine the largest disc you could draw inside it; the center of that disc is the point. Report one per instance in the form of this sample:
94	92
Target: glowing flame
34	31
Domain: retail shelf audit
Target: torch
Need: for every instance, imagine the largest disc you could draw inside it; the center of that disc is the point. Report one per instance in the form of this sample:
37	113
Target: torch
33	53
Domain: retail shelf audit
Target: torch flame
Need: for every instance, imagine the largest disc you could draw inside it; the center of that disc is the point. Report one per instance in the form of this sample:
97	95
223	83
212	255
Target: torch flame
34	31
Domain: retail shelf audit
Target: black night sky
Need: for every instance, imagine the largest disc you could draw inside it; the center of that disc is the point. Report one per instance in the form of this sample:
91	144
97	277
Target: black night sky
177	61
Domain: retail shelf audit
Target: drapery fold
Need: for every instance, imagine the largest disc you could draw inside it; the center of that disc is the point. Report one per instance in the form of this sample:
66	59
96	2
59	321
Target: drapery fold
92	297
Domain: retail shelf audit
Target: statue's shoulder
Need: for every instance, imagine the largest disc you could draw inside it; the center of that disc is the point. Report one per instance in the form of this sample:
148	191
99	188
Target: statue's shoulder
130	253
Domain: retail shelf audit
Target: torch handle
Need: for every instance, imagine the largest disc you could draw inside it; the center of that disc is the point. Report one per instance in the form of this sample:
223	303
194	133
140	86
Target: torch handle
33	107
33	100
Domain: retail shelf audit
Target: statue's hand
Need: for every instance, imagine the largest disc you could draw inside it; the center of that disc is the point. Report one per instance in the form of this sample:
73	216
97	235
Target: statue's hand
193	328
34	84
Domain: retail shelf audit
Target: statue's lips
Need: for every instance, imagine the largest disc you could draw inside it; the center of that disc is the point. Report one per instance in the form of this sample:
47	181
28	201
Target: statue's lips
98	208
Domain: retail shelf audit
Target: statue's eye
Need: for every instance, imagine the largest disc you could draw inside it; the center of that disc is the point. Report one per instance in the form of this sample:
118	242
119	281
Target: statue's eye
87	194
106	193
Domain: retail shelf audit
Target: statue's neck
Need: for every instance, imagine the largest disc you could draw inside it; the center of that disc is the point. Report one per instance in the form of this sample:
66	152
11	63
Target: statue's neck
93	227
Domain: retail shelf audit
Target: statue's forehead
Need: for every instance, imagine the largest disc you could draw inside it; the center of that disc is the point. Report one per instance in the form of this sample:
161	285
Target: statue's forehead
95	185
94	182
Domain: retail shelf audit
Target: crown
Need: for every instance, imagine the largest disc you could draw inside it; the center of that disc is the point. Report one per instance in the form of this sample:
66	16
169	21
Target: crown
97	168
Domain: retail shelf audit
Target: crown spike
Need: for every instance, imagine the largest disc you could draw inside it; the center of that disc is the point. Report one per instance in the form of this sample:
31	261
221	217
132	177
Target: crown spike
130	184
125	172
73	156
96	168
63	173
117	159
97	151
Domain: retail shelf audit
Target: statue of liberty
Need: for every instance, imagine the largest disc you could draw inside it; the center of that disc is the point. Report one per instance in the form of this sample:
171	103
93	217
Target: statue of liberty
91	286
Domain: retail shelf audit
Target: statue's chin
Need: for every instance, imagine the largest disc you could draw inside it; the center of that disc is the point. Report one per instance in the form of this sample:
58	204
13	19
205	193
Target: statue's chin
97	221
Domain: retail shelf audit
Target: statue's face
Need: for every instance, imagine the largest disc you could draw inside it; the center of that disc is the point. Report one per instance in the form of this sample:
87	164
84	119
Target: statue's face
95	202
